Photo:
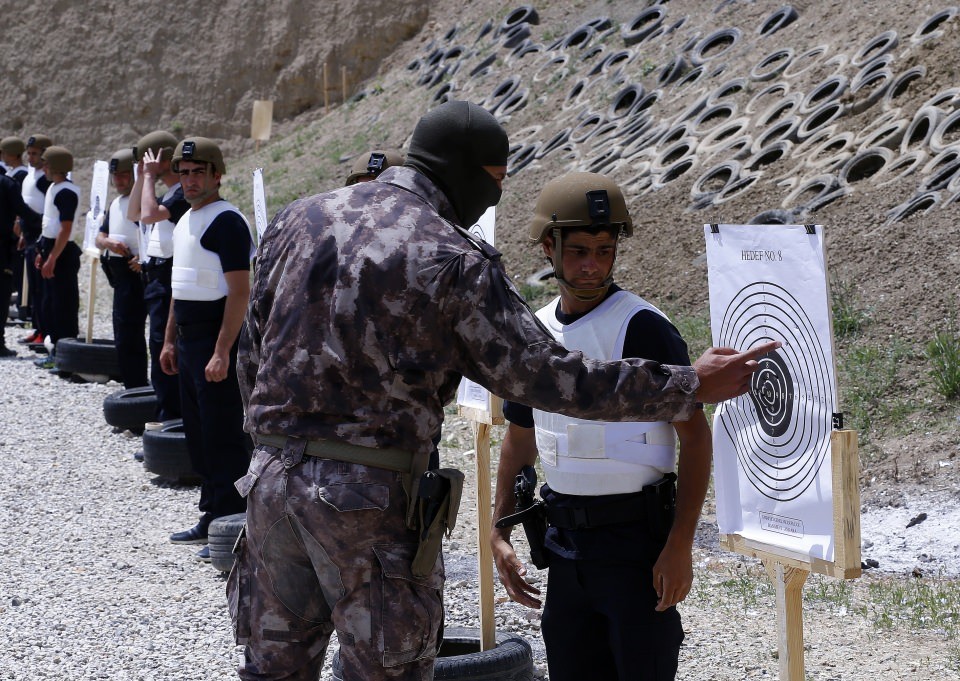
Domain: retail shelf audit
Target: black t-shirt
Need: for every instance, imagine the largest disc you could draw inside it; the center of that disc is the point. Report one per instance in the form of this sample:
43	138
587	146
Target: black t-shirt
229	237
66	202
176	205
650	336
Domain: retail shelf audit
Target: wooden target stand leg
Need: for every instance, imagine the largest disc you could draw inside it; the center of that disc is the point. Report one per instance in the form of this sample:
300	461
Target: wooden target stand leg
481	422
91	297
788	573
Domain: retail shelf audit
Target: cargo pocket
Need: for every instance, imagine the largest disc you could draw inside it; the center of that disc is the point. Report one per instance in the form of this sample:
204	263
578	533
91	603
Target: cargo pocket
258	462
238	590
408	610
355	496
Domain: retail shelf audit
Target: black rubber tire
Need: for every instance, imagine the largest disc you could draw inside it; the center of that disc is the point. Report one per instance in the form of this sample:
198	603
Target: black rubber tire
221	537
901	84
98	358
946	133
780	18
525	14
714	45
643	25
625	101
930	28
772	65
773	217
672	71
921	128
130	409
460	658
921	203
864	165
824	92
165	453
877	46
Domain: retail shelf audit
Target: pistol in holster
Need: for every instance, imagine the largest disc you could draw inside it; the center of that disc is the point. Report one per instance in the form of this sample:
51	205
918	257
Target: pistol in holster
532	514
437	504
661	504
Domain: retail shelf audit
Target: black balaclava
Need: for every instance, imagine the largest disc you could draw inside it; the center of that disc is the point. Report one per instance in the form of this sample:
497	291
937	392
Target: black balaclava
450	145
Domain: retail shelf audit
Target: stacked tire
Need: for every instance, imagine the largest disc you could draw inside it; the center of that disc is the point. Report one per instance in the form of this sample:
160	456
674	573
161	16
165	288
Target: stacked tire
221	538
165	453
130	409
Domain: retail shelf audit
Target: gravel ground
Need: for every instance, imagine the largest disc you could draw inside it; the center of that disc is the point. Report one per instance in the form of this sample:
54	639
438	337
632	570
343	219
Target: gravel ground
91	589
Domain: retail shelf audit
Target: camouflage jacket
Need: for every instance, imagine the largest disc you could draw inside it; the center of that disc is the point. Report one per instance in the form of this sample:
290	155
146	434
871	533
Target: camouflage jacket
368	306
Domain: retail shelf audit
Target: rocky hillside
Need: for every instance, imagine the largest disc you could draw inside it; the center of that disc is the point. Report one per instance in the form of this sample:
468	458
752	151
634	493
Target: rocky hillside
843	114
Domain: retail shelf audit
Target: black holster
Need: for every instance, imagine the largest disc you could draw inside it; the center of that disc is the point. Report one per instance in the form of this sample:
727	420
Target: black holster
437	504
532	514
660	498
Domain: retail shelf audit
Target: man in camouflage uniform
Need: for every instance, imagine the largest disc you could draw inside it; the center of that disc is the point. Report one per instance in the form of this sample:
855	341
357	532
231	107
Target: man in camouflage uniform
369	303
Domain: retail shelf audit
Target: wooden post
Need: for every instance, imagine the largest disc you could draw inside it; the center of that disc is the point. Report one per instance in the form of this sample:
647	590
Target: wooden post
846	501
343	84
326	89
481	421
91	298
481	444
25	295
788	584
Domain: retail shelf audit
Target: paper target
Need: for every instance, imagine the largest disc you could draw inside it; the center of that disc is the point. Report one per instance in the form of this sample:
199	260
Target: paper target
780	429
772	446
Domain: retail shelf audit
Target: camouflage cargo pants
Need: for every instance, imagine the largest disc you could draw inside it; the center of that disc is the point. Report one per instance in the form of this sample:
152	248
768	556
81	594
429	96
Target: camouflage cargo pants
326	547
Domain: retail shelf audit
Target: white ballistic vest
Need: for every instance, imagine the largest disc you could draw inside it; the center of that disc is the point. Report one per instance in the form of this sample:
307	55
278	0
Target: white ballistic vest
121	226
593	458
197	273
32	196
161	233
51	215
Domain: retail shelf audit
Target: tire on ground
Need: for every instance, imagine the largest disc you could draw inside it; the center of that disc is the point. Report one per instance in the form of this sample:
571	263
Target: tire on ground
460	658
98	358
221	537
130	409
165	453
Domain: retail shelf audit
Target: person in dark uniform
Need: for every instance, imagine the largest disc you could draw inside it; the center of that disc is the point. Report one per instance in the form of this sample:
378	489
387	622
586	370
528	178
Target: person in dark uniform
11	153
369	304
119	238
11	208
33	191
58	257
616	568
158	218
368	166
212	248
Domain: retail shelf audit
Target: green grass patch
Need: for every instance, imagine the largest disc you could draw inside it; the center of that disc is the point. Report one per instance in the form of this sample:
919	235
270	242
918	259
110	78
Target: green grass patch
868	380
848	317
943	353
917	604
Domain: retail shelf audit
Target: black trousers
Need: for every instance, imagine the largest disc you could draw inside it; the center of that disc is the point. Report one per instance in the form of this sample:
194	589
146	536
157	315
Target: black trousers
129	318
599	622
35	283
8	257
213	424
156	297
60	295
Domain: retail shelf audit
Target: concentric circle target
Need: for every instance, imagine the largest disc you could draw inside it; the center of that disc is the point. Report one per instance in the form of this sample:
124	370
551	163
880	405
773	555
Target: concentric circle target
781	428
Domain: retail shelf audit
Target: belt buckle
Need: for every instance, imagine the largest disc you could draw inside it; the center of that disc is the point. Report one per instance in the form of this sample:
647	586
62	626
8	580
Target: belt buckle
580	520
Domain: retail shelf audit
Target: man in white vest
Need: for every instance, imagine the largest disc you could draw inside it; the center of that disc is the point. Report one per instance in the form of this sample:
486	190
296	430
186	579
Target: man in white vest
157	218
212	248
620	534
33	190
119	239
58	258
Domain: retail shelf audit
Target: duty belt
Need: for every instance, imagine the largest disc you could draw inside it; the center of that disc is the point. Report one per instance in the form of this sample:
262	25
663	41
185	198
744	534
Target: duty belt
390	458
155	269
585	517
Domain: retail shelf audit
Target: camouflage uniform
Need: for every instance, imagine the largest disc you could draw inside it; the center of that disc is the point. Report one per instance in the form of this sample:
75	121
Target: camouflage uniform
368	306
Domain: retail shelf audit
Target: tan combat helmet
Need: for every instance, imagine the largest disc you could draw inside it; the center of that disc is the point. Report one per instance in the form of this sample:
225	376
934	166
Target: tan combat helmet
58	159
121	161
159	142
579	201
13	146
199	150
39	141
368	166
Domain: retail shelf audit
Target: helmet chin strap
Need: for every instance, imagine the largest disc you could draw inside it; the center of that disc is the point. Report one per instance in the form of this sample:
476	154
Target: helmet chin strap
585	295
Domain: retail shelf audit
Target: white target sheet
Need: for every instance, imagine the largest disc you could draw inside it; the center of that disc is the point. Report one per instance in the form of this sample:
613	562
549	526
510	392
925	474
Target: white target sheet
772	459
